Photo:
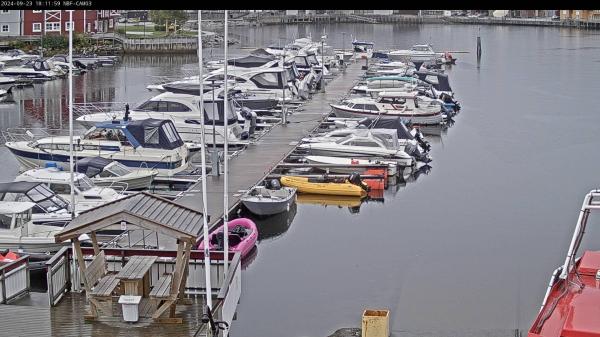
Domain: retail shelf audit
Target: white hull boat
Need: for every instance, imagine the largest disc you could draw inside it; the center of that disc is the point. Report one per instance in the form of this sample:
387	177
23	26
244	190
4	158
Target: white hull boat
392	166
261	200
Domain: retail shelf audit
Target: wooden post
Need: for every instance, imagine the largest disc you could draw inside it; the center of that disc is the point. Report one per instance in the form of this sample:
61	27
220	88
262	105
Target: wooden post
95	243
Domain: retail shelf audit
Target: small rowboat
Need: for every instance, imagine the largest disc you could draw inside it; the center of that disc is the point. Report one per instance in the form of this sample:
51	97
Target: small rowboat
242	237
314	186
261	200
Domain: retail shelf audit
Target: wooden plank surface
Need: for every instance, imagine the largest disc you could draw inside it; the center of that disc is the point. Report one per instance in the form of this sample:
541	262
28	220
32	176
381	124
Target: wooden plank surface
258	160
136	267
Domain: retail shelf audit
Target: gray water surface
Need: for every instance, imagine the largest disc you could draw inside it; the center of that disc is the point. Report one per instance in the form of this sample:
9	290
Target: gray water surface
466	250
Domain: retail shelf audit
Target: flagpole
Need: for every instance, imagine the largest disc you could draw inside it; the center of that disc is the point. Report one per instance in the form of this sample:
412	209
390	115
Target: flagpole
225	153
72	178
203	155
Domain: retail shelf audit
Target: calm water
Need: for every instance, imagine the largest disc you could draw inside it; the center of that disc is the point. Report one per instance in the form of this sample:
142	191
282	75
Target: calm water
465	250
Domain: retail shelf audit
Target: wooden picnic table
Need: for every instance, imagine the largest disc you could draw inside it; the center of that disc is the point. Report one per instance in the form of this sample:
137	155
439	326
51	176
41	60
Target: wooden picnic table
135	277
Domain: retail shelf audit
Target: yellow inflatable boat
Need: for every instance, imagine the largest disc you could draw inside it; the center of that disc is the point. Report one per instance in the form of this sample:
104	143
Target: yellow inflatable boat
305	186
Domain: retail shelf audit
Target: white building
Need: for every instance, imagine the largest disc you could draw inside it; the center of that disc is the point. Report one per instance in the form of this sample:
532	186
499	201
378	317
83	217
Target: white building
10	22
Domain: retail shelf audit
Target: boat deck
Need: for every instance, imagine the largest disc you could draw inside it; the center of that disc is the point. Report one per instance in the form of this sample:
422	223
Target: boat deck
254	163
31	316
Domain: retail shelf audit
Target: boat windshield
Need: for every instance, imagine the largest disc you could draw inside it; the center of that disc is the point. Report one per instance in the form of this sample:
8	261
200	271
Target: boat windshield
46	200
117	169
84	183
313	59
342	140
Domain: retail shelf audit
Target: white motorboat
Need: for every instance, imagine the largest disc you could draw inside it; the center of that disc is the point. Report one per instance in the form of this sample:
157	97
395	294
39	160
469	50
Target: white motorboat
19	233
408	106
346	164
418	52
386	83
110	173
49	208
142	144
361	146
87	195
183	111
262	200
362	49
34	69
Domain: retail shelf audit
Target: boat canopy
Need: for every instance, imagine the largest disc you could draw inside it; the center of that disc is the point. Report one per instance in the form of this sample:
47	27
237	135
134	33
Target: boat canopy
262	52
250	61
382	123
91	166
151	133
46	200
14	207
443	83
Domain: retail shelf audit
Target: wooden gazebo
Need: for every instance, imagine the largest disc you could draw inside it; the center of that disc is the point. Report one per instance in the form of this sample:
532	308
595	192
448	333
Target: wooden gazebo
144	211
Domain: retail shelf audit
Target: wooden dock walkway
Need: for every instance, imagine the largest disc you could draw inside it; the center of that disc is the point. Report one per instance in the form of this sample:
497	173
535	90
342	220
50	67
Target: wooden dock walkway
258	160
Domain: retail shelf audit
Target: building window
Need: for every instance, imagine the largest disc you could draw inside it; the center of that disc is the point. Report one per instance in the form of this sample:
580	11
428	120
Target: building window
96	25
89	27
67	26
53	26
37	27
111	22
37	11
5	29
4	11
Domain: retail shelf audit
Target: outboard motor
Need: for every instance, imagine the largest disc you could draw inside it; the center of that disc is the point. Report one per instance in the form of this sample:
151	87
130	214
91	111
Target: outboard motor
249	120
273	184
354	179
422	142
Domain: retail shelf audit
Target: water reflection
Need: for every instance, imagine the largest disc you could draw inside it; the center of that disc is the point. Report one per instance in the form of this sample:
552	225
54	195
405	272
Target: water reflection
274	226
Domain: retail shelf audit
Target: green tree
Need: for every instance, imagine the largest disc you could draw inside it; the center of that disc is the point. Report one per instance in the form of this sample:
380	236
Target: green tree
160	17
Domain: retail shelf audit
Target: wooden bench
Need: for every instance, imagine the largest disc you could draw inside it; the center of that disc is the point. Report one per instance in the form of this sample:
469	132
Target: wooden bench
106	286
162	288
95	270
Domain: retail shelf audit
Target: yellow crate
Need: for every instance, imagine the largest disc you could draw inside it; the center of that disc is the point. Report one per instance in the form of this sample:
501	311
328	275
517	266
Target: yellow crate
376	323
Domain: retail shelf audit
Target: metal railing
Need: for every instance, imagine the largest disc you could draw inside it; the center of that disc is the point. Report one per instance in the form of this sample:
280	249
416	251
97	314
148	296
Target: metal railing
14	279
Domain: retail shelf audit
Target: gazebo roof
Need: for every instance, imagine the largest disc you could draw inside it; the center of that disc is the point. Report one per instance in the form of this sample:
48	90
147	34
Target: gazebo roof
141	209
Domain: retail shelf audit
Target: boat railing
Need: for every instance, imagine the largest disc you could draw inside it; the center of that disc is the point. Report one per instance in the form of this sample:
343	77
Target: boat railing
14	279
29	134
107	108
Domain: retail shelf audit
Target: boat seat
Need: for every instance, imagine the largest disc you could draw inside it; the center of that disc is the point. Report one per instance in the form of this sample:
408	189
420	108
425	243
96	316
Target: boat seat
234	239
106	286
162	288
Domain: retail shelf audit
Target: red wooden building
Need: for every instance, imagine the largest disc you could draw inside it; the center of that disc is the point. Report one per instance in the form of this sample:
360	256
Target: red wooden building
56	22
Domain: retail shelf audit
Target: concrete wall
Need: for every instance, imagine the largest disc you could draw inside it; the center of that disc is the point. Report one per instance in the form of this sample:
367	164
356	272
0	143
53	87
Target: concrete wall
11	20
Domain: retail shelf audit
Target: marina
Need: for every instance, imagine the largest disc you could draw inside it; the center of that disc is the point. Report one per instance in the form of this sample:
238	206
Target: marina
476	192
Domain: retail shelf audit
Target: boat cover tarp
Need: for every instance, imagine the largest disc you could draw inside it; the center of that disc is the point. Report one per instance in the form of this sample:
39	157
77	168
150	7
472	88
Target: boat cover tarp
155	133
261	52
91	166
17	186
382	123
250	61
443	81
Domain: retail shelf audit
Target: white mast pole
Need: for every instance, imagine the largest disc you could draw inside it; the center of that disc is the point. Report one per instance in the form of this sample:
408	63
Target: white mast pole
72	181
225	153
203	155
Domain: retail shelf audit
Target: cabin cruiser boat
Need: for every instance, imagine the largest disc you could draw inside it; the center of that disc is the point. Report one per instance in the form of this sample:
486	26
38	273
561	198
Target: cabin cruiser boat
386	83
35	69
87	195
418	52
104	61
141	144
184	112
407	106
109	173
15	57
440	82
49	208
572	301
365	145
63	62
363	48
19	233
410	146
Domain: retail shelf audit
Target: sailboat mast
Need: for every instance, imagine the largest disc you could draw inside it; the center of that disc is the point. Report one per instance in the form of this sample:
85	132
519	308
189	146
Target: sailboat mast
71	145
225	154
203	156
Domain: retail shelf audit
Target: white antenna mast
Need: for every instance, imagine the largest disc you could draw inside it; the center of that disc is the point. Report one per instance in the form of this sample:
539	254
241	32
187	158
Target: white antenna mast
72	178
203	155
225	153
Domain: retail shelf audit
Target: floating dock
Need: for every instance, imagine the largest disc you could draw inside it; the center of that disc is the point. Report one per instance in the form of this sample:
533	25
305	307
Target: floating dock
258	160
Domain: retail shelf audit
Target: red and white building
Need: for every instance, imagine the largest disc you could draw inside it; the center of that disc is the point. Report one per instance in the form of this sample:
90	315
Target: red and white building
56	22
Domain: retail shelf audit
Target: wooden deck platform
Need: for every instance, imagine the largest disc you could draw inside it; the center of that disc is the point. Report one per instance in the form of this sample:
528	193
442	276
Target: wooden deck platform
27	318
258	160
